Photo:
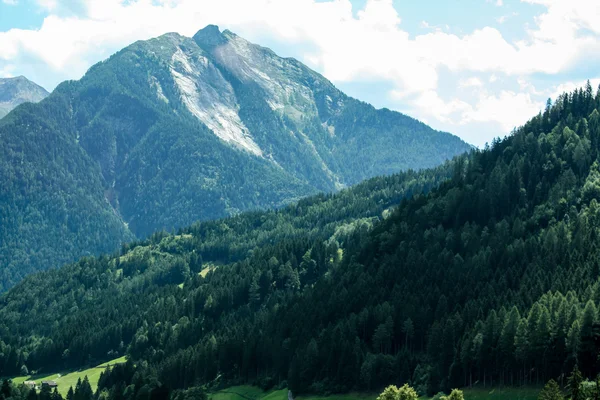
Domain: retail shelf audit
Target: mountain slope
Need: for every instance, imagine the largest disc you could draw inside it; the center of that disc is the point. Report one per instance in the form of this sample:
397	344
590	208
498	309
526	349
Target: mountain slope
491	277
274	112
352	140
83	297
173	130
52	203
15	91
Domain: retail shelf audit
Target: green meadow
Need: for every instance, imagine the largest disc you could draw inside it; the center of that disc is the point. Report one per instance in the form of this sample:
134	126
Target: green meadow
67	379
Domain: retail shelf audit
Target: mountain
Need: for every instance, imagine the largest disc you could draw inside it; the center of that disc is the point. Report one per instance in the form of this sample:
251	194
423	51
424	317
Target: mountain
15	91
173	130
489	276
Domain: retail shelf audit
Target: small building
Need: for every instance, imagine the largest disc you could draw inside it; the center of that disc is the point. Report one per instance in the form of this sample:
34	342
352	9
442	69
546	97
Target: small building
50	384
29	384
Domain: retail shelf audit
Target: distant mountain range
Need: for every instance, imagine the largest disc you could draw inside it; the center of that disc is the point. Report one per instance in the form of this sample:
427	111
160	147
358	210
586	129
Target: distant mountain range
15	91
173	130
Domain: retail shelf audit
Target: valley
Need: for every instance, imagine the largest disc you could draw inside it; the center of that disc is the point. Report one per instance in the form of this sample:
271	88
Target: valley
325	295
190	215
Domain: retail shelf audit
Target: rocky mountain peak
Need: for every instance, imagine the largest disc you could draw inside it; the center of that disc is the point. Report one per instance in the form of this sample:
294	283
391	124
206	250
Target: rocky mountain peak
18	90
210	37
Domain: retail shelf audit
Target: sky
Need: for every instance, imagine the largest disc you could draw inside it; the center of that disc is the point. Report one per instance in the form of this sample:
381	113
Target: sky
475	68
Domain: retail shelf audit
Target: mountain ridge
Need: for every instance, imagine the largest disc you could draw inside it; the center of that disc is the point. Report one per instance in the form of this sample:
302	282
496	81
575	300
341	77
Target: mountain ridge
167	132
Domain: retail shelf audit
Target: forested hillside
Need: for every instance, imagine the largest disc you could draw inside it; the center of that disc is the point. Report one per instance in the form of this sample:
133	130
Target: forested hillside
174	130
92	309
52	204
491	277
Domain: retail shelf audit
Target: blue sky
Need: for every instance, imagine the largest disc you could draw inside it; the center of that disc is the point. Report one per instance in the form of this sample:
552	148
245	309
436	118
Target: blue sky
476	68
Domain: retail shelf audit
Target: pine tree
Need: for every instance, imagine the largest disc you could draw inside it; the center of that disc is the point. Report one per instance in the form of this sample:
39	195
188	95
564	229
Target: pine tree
574	384
83	389
522	346
254	292
408	329
574	340
77	391
45	393
594	129
506	343
551	391
6	390
55	395
587	349
542	338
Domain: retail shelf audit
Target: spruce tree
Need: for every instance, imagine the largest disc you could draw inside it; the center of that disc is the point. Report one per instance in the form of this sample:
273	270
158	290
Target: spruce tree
574	384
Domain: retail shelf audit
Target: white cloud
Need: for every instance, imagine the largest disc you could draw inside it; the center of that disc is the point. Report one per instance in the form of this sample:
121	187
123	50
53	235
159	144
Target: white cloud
6	72
564	17
48	5
503	18
509	109
444	111
470	82
436	28
527	87
370	45
344	46
10	2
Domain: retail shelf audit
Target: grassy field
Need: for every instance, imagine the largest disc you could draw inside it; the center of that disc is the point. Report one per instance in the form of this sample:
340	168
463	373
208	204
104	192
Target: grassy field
526	393
248	393
349	396
69	378
254	393
204	272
